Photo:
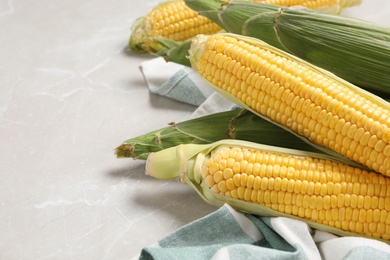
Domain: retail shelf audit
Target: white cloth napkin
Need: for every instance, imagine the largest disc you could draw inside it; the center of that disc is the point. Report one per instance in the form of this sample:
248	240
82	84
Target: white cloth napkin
227	234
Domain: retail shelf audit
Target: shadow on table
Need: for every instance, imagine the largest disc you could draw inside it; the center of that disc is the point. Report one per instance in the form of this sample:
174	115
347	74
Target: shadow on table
128	52
173	197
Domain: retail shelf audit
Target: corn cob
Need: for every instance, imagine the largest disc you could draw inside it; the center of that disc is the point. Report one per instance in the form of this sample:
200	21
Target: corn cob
308	101
165	25
235	124
269	181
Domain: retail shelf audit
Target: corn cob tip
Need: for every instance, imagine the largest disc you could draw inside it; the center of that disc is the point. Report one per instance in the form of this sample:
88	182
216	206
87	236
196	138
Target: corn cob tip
171	20
170	163
197	48
124	151
164	166
138	35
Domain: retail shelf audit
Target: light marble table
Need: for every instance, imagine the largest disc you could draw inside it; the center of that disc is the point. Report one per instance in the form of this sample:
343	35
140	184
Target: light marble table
71	92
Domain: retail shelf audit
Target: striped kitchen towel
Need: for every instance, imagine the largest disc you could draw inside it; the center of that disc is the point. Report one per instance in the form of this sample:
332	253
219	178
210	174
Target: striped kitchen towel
228	234
175	81
183	84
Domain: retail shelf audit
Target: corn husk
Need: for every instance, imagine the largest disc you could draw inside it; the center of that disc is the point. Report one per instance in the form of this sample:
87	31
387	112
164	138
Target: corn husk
225	14
235	124
207	8
172	51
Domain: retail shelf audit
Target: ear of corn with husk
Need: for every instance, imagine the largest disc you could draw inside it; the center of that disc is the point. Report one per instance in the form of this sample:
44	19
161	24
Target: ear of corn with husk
235	124
270	181
209	8
171	23
312	103
355	50
167	24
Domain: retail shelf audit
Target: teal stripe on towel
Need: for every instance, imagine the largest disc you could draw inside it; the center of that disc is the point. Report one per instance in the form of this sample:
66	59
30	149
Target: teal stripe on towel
181	88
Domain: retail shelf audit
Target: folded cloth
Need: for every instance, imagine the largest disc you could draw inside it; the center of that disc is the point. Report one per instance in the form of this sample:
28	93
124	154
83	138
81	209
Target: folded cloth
228	234
215	103
183	84
175	81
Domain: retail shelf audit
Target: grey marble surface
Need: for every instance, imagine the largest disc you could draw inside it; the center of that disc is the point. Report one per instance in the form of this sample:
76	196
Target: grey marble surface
71	92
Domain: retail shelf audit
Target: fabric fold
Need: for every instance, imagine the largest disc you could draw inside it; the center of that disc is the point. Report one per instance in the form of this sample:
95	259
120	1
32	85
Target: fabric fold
175	81
227	234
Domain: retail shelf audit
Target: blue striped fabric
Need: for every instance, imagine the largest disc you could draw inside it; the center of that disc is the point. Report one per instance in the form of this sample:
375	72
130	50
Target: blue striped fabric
227	234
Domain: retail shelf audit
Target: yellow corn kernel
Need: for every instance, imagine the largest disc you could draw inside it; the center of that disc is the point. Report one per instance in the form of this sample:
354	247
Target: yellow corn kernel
360	127
178	22
172	20
351	210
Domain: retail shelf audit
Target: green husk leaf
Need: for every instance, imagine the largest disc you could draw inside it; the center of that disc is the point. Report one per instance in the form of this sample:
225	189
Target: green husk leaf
235	124
177	53
261	26
207	8
231	15
355	50
170	50
349	3
234	14
161	46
